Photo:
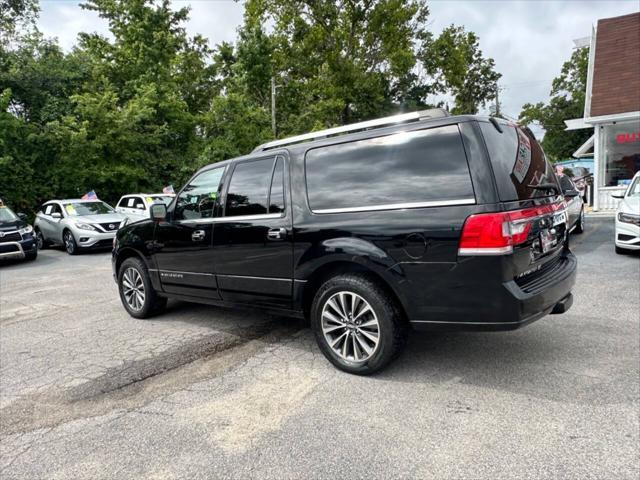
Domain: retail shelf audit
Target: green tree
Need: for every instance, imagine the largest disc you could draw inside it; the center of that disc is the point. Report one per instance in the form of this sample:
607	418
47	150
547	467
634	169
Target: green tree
566	102
455	62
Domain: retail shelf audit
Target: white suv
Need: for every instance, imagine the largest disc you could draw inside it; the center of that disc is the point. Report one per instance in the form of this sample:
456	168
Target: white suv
628	218
135	206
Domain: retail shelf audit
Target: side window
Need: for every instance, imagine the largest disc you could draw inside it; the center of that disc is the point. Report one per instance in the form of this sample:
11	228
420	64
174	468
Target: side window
56	209
122	203
276	196
249	188
198	199
566	183
131	201
402	169
138	203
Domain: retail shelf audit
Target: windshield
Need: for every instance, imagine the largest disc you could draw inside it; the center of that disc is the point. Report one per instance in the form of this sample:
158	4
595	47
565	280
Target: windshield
634	188
81	209
6	215
166	199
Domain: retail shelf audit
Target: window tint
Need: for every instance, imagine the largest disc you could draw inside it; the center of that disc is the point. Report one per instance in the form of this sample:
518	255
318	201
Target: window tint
198	199
566	183
276	198
518	161
122	203
407	167
249	188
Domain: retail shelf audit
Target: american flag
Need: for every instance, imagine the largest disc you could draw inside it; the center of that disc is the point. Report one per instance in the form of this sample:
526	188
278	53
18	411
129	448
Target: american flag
90	195
168	190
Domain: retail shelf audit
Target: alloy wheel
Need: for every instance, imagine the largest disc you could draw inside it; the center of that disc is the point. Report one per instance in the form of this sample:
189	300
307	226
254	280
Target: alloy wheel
350	326
69	243
39	240
133	289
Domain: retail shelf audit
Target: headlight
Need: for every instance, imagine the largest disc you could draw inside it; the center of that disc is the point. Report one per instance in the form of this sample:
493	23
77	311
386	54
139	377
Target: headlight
25	230
629	218
85	226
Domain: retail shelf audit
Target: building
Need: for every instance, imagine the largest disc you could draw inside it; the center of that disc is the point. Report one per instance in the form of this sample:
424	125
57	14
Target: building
612	107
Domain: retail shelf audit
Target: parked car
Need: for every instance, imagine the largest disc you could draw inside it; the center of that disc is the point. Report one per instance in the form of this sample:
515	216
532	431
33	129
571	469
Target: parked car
575	204
77	224
16	235
422	221
627	229
136	206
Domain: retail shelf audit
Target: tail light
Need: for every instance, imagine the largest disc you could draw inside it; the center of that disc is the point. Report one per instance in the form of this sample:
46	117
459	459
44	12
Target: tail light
497	233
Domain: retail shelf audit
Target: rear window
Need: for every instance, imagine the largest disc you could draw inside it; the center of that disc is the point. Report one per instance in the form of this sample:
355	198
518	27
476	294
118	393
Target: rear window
406	169
518	162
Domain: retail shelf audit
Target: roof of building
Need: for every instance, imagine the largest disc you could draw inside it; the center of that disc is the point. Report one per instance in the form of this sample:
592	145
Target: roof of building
615	69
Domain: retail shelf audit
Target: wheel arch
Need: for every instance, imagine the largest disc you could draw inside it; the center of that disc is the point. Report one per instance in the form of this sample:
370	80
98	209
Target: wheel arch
336	267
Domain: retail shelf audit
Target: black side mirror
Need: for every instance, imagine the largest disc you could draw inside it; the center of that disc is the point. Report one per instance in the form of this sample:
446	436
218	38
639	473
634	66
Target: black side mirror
571	193
22	216
158	212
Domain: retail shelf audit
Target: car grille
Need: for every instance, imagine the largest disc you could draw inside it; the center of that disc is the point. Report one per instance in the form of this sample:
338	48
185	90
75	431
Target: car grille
539	280
110	227
6	248
11	237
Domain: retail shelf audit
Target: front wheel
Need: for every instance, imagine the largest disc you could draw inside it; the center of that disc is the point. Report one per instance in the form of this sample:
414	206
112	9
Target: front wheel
580	224
357	325
40	240
70	244
137	294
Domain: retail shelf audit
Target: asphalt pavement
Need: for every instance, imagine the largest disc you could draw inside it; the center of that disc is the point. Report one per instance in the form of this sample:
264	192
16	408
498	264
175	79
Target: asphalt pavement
201	392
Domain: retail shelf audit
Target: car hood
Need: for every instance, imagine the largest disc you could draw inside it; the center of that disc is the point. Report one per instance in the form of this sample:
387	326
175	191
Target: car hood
11	226
104	218
630	205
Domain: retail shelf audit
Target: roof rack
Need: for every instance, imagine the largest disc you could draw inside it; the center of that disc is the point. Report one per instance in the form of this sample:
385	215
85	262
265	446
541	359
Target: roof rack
354	127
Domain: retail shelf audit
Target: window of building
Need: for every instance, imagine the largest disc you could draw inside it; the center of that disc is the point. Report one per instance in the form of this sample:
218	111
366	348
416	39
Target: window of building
621	153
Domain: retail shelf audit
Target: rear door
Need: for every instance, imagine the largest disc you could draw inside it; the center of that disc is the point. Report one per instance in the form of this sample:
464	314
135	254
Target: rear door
252	242
525	180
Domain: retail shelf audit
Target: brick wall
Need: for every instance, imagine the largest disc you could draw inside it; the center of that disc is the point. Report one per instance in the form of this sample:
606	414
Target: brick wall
616	73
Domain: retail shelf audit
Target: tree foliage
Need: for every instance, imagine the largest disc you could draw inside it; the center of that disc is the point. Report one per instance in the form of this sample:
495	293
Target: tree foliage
147	106
567	101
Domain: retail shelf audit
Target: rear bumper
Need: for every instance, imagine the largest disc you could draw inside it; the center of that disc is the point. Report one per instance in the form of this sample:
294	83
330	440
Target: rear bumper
516	305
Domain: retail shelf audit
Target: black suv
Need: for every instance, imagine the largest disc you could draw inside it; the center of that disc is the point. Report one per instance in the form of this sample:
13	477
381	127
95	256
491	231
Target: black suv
422	220
17	240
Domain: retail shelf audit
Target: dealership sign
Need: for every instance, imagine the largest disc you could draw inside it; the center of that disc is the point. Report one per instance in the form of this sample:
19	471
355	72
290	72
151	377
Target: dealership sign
628	137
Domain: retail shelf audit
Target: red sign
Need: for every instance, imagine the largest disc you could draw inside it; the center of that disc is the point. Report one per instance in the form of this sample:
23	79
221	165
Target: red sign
628	137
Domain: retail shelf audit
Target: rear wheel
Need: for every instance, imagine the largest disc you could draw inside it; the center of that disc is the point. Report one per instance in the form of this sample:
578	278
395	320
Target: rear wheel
70	244
358	327
137	294
580	224
40	240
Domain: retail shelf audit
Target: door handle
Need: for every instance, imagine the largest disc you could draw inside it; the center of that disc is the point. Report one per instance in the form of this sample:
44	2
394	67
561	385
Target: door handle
277	233
198	235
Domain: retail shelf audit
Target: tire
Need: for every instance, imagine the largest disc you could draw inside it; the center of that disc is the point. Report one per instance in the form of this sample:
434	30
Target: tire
580	224
69	243
140	300
621	251
31	256
40	240
351	355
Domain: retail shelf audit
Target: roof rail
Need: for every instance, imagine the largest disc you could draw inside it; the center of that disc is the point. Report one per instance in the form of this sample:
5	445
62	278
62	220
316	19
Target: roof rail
354	127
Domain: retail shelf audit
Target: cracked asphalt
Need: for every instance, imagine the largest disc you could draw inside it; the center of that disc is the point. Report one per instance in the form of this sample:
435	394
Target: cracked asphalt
200	392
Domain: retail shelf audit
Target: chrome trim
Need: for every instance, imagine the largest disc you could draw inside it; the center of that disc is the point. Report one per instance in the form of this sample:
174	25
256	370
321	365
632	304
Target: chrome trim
20	253
378	122
466	323
239	218
399	206
256	278
4	234
183	273
485	251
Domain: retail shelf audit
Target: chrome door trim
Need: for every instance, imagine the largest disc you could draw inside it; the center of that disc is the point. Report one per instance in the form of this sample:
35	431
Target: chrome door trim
399	206
180	272
239	218
277	279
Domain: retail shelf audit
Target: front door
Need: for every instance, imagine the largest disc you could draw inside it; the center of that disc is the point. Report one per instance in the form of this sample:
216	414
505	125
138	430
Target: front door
252	241
183	243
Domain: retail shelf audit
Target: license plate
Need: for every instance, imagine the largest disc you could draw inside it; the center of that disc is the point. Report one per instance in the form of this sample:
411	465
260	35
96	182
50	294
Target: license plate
546	241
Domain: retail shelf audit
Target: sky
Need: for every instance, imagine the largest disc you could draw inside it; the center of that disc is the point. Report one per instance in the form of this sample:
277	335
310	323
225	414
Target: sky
529	40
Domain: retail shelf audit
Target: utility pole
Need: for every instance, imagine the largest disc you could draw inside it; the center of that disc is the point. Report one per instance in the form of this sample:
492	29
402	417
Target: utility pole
273	106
